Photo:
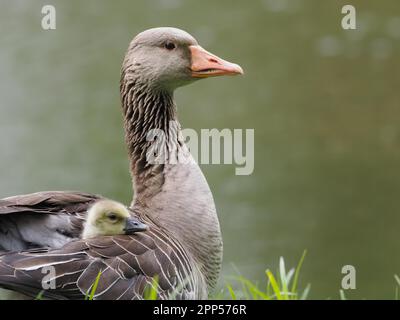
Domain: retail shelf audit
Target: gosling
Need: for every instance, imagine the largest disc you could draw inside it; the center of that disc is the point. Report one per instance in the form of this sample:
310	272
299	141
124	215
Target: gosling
107	218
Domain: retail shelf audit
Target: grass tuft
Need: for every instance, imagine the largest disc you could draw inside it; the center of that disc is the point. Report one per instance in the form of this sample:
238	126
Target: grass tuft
282	286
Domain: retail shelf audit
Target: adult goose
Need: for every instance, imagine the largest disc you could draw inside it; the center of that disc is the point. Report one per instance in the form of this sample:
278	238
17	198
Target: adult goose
183	245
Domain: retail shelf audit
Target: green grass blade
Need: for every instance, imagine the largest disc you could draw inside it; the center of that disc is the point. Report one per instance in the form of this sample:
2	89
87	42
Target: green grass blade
297	272
397	278
94	288
231	292
40	295
274	285
268	288
245	290
305	293
289	276
151	292
284	281
253	289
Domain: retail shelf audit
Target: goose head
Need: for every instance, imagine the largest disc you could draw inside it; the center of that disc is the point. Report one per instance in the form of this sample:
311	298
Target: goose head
108	217
169	58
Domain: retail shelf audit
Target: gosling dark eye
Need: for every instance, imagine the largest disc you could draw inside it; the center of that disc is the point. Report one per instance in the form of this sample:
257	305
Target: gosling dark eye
169	45
112	217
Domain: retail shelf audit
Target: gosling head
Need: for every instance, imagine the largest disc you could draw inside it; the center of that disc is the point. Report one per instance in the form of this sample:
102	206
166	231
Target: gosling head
106	218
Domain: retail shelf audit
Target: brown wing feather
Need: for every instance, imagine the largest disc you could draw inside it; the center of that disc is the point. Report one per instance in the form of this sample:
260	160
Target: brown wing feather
41	227
44	219
127	265
55	202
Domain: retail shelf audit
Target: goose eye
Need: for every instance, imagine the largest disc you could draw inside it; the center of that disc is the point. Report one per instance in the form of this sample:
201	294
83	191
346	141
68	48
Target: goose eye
112	217
169	45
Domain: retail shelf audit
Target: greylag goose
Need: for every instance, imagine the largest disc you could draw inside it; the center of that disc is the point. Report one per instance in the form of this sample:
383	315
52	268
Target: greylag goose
183	246
108	218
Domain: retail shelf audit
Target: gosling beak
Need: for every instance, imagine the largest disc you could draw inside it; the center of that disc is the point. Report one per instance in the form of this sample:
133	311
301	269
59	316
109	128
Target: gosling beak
206	64
133	225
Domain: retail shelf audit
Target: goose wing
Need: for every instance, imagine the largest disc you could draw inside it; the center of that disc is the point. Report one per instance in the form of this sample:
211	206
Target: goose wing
44	219
127	266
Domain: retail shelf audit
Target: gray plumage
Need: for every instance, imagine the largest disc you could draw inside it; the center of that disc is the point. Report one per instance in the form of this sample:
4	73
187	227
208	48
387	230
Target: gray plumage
183	245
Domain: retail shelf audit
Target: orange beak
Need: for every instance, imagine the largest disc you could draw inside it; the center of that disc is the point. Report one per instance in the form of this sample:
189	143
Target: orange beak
205	64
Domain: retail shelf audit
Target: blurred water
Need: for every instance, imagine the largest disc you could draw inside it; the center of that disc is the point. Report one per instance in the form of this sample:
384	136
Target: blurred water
324	104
